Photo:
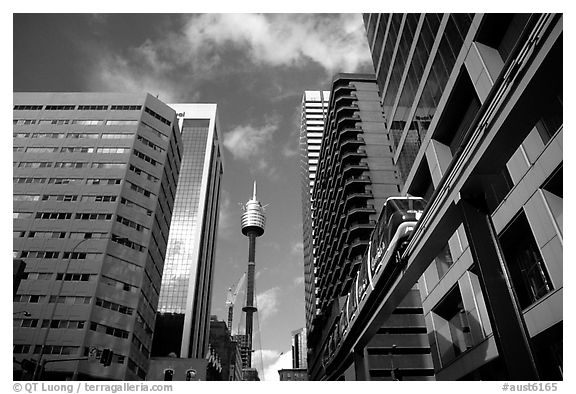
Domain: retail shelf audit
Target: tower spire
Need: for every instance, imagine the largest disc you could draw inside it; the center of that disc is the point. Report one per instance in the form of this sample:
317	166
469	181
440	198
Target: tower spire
254	196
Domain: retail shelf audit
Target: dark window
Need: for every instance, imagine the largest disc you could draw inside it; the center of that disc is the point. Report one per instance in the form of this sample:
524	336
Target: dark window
525	264
452	313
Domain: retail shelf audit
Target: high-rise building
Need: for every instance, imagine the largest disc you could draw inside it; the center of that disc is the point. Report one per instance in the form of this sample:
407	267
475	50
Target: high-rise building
355	176
314	109
474	105
299	349
183	321
95	176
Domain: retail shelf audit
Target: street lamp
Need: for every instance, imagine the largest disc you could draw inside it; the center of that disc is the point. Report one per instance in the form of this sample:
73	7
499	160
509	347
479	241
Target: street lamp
25	313
40	363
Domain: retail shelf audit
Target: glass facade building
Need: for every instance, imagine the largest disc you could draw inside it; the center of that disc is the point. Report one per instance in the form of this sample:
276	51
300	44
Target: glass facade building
95	176
184	307
473	103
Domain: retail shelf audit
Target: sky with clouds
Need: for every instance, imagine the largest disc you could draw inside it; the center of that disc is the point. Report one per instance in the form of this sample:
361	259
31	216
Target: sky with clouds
255	67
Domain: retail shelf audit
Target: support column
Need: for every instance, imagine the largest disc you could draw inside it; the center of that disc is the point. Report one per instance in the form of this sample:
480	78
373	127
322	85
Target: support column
361	369
505	315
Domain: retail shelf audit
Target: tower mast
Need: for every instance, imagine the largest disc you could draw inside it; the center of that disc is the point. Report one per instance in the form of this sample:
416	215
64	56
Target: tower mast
253	222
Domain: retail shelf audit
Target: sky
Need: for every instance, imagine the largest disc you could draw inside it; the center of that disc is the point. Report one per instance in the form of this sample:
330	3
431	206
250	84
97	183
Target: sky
256	68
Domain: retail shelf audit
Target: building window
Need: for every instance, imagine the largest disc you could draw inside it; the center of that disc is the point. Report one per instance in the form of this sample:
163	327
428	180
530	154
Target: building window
121	122
524	261
443	261
453	335
168	375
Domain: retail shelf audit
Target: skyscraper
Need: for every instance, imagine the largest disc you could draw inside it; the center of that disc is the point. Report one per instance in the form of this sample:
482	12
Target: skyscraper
183	321
299	349
354	178
314	109
474	105
94	179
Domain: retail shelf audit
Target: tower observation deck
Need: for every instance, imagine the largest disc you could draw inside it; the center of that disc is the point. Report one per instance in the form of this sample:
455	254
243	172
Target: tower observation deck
253	222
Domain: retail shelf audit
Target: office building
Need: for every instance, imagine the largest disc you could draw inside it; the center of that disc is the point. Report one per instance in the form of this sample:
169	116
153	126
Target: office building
95	176
354	178
183	321
299	349
313	115
473	103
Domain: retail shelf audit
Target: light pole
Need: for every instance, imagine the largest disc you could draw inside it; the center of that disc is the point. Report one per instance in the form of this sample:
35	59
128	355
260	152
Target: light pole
25	313
40	363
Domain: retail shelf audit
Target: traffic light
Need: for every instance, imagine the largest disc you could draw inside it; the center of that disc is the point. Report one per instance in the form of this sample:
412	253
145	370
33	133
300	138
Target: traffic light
106	357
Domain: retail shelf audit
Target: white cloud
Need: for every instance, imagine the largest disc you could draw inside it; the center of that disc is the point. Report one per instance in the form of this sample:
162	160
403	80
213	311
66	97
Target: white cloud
173	64
297	248
332	41
267	303
298	280
246	142
226	217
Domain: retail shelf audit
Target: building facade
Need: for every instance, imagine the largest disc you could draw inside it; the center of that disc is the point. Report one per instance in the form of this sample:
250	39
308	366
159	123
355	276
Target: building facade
295	374
95	176
183	320
313	116
354	178
227	349
299	349
473	103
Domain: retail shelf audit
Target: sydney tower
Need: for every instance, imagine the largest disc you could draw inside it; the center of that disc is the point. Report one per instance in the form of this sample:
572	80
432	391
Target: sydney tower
253	221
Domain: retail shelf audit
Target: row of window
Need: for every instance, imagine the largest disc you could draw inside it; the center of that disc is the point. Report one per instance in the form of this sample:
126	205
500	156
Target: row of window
64	197
157	116
75	135
80	107
143	173
61	234
59	276
114	307
117	332
130	223
51	255
119	284
144	157
67	164
67	181
80	122
150	144
35	298
128	243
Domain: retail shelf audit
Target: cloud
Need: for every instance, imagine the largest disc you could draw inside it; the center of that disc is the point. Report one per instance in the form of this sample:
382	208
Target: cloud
267	303
246	142
298	280
209	46
226	217
332	41
297	248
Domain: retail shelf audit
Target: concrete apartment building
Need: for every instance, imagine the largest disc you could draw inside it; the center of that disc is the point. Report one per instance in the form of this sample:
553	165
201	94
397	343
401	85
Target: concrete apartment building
313	116
354	178
95	176
474	105
183	319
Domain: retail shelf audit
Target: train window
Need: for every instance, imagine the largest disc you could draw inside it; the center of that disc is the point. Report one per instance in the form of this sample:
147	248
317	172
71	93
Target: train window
362	279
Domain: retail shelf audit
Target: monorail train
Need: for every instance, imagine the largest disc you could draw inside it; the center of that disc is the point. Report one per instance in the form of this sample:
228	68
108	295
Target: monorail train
389	239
